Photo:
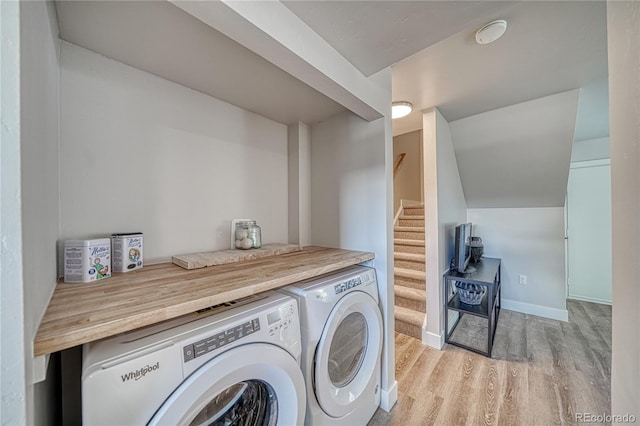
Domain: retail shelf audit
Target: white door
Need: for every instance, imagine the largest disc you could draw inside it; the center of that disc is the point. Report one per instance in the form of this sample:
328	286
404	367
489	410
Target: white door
348	354
589	231
254	384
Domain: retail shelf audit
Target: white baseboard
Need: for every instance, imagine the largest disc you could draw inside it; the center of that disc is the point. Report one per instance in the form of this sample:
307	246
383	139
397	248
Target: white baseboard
590	299
433	340
538	310
388	398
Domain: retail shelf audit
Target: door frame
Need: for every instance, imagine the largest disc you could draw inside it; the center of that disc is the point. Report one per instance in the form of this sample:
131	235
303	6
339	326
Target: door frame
576	165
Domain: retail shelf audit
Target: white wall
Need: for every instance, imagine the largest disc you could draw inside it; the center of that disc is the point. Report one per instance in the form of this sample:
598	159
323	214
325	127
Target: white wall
351	172
590	149
139	153
40	98
13	406
623	32
29	203
347	172
407	182
445	207
530	241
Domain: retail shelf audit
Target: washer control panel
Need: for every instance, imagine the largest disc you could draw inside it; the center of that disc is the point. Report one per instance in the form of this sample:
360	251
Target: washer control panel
220	339
277	321
366	278
280	319
347	285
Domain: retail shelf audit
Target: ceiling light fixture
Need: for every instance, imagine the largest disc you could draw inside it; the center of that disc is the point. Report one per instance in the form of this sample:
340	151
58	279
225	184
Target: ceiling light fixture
491	32
401	109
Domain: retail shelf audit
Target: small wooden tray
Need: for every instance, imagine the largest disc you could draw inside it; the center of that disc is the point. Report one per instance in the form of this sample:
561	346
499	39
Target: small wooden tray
222	257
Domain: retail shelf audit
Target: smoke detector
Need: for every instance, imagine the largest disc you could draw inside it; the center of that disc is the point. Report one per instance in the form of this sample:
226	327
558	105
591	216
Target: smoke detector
491	32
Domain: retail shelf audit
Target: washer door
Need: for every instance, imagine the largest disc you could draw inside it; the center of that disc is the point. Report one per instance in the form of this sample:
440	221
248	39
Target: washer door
254	384
348	353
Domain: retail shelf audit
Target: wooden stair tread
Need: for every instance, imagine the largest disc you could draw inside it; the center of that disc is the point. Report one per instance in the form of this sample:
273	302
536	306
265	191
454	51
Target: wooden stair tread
409	316
409	217
414	257
409	273
410	293
407	242
408	229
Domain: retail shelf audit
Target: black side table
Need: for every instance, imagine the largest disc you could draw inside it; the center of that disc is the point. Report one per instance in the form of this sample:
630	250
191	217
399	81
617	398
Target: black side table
487	274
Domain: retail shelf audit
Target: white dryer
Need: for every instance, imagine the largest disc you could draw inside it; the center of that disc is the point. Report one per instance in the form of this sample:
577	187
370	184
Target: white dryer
341	345
235	363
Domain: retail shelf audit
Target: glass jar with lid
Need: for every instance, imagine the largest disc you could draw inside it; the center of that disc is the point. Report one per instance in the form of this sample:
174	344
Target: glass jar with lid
248	235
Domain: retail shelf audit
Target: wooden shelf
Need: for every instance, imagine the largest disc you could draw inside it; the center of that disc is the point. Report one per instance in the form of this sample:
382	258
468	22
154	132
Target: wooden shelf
81	313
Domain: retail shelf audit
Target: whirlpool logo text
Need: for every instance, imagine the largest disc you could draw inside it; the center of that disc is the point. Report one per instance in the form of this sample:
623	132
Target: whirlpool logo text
139	374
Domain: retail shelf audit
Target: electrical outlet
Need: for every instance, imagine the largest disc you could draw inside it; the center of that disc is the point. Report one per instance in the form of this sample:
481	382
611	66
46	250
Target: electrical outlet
522	279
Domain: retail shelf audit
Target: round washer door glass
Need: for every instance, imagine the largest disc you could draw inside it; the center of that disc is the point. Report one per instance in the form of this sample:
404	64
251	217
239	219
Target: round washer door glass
255	384
348	349
251	403
347	358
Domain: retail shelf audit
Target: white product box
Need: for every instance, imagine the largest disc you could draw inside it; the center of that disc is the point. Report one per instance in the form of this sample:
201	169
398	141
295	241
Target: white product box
127	251
87	260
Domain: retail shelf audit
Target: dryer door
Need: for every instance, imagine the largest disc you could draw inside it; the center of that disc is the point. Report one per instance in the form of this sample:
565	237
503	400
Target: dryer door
254	384
347	356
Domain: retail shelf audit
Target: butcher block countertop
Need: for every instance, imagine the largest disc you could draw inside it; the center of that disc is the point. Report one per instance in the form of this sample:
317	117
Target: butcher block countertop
81	313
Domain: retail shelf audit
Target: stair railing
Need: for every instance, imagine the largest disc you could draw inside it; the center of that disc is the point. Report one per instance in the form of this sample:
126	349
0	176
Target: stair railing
399	163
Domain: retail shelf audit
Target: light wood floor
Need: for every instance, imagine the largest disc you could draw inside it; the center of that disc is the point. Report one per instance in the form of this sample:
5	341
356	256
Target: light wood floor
542	372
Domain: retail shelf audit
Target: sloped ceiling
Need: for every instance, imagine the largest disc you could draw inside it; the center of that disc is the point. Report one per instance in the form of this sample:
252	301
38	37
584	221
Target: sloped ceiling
517	156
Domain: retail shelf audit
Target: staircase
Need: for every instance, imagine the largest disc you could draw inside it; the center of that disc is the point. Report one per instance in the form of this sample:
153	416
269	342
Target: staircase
409	271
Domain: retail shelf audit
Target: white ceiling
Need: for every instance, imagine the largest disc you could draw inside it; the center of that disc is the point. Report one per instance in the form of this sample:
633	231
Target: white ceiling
180	48
375	34
549	47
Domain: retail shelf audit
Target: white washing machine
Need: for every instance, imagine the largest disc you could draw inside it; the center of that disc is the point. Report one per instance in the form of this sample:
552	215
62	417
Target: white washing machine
236	363
341	345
